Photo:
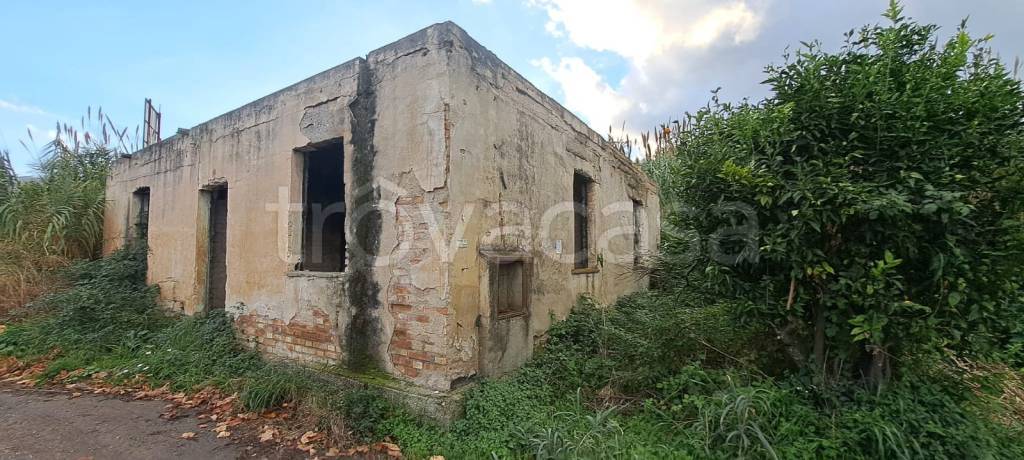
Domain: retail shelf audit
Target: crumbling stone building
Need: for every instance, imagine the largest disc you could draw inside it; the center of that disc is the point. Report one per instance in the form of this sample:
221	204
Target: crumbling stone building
424	210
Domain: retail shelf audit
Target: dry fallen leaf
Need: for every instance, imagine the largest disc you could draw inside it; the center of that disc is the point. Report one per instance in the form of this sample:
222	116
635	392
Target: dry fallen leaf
2	328
75	395
224	434
310	436
390	448
333	452
190	435
437	457
268	434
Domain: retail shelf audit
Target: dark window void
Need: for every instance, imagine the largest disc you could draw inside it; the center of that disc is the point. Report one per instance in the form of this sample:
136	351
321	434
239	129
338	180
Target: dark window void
508	288
140	203
582	188
638	225
218	273
323	245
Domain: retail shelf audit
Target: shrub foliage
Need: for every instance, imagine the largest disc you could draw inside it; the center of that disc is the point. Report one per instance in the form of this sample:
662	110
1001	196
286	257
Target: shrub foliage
871	208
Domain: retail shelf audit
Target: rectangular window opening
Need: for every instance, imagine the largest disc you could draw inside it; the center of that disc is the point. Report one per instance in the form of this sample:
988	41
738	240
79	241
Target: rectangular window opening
140	202
581	197
323	216
508	288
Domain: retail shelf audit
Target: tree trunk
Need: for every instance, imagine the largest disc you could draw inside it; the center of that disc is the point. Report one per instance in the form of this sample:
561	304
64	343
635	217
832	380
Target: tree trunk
819	340
878	372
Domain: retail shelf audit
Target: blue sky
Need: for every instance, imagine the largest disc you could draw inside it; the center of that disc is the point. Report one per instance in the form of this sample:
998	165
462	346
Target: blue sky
636	62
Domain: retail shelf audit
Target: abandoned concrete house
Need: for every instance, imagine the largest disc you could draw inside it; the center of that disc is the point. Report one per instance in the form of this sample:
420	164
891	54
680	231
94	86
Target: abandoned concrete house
423	210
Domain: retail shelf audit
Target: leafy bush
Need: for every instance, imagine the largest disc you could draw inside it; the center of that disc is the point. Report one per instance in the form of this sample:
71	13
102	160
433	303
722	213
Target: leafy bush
108	302
872	207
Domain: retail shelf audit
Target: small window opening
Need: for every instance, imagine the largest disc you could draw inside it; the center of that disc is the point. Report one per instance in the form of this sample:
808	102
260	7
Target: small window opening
508	289
140	202
638	219
581	191
323	245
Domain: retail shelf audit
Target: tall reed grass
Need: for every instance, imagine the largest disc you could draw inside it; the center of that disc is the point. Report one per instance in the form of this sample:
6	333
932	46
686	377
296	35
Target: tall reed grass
56	216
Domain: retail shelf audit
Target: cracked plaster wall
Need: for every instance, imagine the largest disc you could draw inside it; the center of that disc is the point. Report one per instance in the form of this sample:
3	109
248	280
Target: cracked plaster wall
431	124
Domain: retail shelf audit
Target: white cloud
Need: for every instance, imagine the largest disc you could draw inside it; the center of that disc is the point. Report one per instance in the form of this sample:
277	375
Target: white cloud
662	41
618	27
21	108
585	91
737	18
641	29
40	135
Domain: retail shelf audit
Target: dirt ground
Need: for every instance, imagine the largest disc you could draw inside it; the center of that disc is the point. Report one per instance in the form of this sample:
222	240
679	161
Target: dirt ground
49	424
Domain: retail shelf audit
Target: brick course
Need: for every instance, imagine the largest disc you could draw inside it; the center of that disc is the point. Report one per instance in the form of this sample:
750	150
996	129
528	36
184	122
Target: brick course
315	342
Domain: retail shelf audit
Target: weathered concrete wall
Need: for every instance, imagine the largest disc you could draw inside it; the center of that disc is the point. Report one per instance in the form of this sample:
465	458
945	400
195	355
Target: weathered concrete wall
251	150
431	125
512	174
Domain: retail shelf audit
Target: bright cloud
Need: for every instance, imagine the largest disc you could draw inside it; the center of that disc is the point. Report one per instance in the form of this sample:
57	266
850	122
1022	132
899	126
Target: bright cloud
585	91
40	134
641	29
737	19
21	108
660	39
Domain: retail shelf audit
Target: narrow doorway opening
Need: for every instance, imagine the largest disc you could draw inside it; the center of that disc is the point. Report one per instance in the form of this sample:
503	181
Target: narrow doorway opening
218	246
638	222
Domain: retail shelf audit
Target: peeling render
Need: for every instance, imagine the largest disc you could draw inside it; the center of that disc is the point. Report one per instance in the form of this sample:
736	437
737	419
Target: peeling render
451	163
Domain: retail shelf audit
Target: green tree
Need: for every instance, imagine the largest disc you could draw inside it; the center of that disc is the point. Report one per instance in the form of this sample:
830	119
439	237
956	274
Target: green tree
871	208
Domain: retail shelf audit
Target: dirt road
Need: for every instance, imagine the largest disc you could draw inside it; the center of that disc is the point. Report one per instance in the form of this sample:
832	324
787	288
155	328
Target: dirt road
45	424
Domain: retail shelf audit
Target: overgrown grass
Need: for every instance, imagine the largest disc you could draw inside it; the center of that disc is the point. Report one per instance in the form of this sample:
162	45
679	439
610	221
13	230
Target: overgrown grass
108	321
657	376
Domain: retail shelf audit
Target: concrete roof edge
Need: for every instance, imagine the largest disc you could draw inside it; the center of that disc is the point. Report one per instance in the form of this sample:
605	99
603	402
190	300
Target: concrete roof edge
468	40
415	41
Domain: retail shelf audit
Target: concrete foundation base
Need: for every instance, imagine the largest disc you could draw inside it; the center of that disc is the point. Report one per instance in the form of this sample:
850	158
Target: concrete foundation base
437	406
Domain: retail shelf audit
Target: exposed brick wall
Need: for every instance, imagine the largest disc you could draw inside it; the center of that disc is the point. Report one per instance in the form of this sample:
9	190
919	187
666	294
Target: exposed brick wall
418	347
309	342
417	343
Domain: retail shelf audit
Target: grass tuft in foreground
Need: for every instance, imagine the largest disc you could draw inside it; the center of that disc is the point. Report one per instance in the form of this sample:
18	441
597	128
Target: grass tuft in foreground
657	376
